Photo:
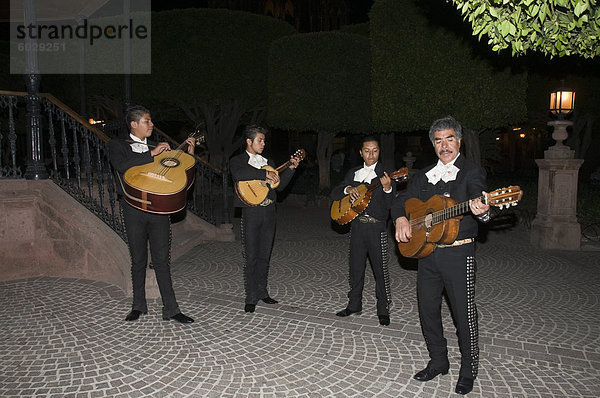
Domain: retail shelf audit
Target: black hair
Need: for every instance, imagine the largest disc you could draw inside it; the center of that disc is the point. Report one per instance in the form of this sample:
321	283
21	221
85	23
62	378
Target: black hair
252	130
134	114
369	138
445	123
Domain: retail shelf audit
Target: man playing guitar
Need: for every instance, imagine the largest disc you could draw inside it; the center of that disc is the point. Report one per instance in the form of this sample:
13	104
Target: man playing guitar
258	222
141	226
450	267
368	235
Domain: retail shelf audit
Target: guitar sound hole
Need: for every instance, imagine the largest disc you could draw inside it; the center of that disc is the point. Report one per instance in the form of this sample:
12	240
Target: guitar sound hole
169	162
428	221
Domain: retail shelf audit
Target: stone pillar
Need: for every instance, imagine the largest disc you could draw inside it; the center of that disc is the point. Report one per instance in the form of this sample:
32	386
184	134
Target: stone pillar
409	161
555	225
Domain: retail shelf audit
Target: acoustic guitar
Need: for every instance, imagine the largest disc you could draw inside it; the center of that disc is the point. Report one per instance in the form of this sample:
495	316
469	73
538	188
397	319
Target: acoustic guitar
345	210
436	221
161	186
254	192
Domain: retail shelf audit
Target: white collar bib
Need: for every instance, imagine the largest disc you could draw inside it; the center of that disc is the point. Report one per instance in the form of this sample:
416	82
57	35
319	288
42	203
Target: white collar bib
366	174
138	145
445	172
256	160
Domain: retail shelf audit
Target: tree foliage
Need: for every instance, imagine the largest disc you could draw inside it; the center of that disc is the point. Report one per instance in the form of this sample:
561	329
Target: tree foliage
320	82
210	55
553	27
212	64
422	71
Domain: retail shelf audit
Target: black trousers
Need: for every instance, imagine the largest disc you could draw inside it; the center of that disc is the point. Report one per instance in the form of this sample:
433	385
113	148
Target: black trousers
143	227
451	269
368	240
258	232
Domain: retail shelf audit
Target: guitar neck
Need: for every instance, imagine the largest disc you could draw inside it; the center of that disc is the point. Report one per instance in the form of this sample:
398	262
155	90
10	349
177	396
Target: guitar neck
283	166
374	185
401	173
448	213
184	143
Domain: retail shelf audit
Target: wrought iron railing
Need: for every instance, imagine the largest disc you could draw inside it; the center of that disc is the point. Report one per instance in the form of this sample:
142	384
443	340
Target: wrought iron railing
11	148
77	159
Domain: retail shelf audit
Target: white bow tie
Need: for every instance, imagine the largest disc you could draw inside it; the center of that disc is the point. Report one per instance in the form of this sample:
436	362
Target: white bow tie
444	172
139	147
257	161
366	174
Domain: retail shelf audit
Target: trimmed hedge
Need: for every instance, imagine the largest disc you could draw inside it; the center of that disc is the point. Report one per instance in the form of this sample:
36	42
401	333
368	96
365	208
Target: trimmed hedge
320	82
208	55
422	71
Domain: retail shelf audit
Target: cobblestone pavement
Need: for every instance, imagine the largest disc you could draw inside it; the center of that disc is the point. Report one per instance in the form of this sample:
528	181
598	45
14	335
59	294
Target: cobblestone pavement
539	327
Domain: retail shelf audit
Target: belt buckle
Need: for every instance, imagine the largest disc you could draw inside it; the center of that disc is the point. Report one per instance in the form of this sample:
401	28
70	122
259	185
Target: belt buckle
367	219
266	202
457	243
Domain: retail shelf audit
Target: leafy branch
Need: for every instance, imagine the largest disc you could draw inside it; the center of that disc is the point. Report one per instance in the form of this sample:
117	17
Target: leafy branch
554	27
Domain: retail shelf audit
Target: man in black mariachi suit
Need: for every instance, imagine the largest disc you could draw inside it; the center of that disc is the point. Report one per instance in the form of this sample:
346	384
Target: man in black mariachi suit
451	267
258	222
368	232
141	226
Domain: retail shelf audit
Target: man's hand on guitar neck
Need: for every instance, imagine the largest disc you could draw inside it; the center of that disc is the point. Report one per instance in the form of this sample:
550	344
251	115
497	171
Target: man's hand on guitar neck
403	229
162	146
478	207
386	182
294	161
191	141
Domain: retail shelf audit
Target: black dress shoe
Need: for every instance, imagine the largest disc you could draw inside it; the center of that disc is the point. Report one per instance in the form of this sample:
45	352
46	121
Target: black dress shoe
346	312
269	300
464	385
249	307
429	373
179	317
134	315
384	320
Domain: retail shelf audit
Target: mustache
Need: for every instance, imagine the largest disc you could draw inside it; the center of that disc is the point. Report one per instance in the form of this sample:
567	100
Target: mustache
445	151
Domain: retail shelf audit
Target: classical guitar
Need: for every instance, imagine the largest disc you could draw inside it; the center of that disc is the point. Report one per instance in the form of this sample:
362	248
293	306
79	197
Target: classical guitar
254	192
345	210
161	186
436	221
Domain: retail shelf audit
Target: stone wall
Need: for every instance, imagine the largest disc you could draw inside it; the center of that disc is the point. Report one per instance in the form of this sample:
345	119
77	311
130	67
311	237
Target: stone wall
44	231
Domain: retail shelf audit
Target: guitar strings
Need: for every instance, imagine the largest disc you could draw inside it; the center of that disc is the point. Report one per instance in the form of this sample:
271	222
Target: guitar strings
165	169
162	169
441	215
509	194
